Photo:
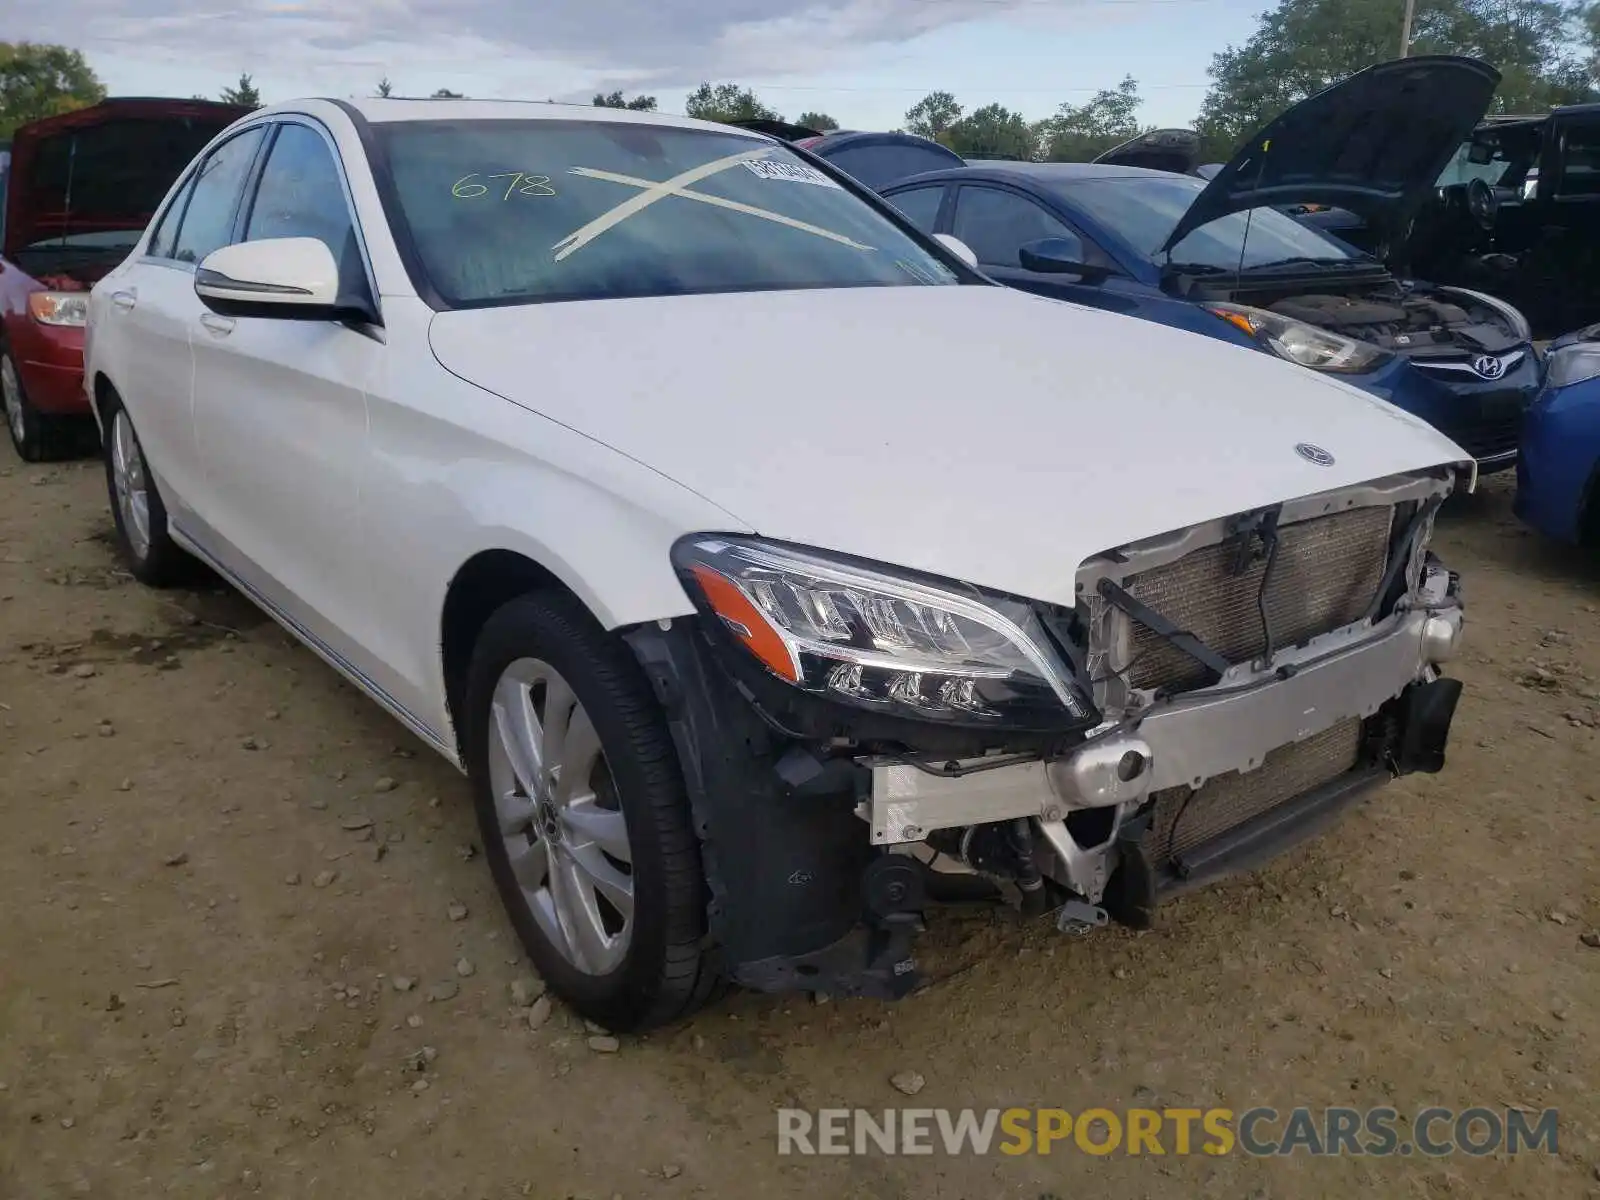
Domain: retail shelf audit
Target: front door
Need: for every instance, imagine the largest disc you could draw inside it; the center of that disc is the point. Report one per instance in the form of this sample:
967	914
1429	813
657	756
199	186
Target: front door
280	415
1562	269
997	222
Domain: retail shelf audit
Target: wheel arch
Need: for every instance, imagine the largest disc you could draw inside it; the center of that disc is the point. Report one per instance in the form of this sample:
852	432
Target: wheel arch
480	585
102	391
1588	524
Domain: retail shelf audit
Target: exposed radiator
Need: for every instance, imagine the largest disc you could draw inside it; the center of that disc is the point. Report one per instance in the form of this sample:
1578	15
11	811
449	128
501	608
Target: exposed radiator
1327	571
1185	818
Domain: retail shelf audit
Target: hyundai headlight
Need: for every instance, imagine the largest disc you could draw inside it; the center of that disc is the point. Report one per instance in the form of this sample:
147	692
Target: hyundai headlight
59	308
870	637
1320	349
1572	364
1513	317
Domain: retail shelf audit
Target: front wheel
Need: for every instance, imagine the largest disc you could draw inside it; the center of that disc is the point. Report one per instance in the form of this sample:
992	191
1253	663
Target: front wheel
584	816
37	436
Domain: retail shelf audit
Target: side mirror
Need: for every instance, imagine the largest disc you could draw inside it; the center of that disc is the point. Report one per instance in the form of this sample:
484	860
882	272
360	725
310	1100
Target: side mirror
957	247
293	278
1059	256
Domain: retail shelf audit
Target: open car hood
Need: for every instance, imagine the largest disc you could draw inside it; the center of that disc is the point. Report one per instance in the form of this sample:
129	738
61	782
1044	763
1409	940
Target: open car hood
1373	143
102	168
1172	150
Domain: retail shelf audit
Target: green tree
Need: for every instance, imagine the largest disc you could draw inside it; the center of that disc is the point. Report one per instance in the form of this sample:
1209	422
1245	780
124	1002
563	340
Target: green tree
1080	132
932	115
1302	46
993	131
1591	21
385	88
244	92
616	100
821	122
728	102
38	80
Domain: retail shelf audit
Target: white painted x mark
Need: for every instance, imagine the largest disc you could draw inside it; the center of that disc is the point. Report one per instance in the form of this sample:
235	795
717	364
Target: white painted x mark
678	185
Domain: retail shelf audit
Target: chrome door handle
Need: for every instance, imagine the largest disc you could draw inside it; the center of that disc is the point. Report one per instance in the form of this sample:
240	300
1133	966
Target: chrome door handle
220	326
125	300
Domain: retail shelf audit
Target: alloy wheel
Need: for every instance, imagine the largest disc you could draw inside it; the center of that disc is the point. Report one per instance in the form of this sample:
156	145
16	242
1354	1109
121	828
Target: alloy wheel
130	481
560	820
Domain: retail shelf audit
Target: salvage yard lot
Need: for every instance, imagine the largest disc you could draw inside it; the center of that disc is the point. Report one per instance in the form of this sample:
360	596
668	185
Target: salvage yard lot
221	866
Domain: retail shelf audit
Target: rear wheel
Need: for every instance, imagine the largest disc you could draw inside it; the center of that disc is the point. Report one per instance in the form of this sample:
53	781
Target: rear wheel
136	506
584	816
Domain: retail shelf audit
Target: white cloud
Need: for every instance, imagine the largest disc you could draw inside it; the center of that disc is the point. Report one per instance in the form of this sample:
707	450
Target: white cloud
640	43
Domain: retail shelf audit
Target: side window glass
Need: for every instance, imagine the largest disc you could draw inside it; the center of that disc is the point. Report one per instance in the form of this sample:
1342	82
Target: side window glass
214	197
997	224
920	206
161	240
301	195
1580	168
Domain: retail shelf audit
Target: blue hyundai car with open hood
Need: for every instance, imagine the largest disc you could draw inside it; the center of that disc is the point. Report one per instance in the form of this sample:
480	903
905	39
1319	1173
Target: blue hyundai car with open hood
1220	257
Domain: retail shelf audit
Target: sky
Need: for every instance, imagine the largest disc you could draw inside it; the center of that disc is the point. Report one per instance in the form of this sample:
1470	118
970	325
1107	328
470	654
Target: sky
864	62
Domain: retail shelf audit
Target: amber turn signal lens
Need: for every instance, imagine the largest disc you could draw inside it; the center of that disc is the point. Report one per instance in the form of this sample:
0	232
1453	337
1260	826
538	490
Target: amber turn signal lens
1233	318
746	622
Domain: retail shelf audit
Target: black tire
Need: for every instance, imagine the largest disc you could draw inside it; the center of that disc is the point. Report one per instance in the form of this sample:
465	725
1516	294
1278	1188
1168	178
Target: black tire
161	562
667	971
37	436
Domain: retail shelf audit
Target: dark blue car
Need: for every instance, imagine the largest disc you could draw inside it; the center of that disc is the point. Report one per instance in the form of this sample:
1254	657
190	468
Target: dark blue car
1558	478
1216	257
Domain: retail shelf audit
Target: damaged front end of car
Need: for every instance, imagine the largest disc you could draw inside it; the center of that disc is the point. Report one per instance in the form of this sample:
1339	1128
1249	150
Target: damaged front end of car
860	743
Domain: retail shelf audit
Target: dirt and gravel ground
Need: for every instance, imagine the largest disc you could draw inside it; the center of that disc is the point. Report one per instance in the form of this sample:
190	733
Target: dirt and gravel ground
247	947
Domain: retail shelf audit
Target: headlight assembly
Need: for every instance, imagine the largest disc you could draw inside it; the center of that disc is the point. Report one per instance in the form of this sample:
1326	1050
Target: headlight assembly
1320	349
867	637
59	308
1513	317
1572	364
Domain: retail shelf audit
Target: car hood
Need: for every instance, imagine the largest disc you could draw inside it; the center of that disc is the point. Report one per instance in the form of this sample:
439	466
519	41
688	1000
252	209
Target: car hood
1172	150
972	432
102	168
1374	143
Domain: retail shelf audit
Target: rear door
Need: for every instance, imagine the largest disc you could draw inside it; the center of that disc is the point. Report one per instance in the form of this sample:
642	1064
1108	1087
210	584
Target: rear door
152	306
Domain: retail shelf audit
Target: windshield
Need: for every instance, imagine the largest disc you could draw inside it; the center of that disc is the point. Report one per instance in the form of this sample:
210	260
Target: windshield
514	212
1145	210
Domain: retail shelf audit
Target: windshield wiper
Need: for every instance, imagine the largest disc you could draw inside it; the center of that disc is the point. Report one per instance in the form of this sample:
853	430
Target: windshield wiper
1194	268
1299	260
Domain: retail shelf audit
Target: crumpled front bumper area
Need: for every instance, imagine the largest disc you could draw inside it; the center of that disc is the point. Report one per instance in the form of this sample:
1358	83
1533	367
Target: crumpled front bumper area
1215	781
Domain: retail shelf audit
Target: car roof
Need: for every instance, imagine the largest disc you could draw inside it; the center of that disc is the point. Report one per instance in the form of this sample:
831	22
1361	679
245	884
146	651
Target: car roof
379	111
1044	174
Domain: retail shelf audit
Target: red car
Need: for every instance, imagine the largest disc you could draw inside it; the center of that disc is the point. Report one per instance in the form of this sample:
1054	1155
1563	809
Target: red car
79	191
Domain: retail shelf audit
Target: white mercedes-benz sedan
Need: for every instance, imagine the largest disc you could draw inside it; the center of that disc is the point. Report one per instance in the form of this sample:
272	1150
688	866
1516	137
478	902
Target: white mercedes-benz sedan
771	573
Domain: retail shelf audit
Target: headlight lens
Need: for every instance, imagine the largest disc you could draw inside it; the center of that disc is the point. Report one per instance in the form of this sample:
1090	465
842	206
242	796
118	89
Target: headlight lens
1305	344
59	308
1572	364
866	637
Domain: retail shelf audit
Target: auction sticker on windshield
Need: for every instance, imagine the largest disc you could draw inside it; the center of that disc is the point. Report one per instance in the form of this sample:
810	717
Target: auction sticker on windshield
787	172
